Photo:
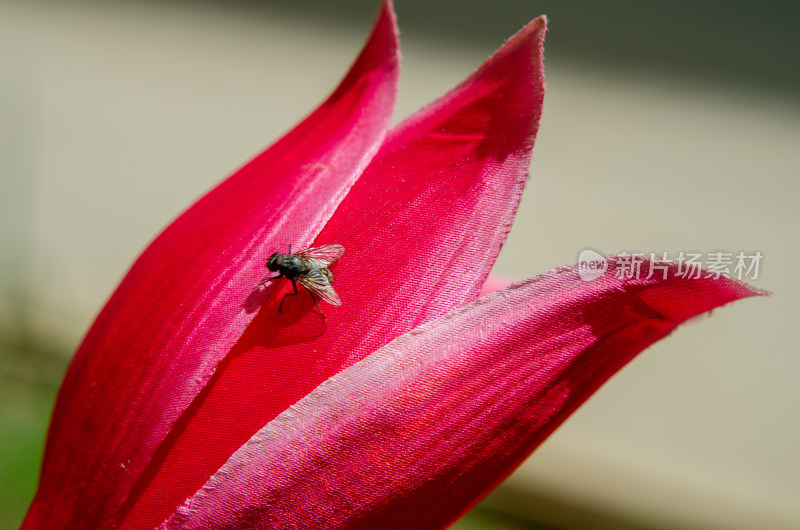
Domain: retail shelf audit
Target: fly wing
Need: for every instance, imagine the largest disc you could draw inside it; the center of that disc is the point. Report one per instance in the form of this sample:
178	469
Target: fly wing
322	256
317	282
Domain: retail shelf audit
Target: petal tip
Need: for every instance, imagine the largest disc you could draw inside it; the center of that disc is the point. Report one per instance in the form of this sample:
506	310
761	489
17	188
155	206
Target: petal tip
388	17
532	33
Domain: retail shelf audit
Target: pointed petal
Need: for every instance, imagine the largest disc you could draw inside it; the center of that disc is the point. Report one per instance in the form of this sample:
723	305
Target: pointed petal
416	433
182	306
421	228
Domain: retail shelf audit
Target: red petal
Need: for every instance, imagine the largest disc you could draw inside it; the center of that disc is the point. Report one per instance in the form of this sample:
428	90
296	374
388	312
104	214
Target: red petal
180	309
415	434
421	228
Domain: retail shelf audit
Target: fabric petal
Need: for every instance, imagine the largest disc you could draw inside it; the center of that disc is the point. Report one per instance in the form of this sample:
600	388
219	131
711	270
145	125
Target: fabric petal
416	433
184	303
421	229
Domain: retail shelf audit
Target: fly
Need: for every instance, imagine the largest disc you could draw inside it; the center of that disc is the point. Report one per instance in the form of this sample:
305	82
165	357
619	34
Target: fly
310	268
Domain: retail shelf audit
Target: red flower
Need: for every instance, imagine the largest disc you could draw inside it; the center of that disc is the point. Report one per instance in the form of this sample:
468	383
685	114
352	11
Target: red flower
194	403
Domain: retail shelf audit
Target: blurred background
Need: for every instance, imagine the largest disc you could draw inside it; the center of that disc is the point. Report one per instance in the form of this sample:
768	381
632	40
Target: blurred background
668	127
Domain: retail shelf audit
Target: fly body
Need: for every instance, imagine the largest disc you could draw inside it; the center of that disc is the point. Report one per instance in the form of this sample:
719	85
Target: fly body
310	268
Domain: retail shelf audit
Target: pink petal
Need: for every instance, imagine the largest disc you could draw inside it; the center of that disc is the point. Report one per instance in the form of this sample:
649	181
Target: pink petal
183	304
495	282
421	228
416	433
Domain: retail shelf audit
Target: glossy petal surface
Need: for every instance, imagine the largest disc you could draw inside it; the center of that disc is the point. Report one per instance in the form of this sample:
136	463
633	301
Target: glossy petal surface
416	433
421	229
188	298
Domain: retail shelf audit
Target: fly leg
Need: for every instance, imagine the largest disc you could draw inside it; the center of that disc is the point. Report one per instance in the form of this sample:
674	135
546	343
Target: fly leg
318	307
265	281
294	284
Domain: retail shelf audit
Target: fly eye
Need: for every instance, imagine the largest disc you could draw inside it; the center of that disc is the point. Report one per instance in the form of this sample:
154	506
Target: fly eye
274	262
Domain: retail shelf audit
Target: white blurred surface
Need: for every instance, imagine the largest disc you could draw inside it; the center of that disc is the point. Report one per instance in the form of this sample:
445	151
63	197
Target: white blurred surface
115	118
